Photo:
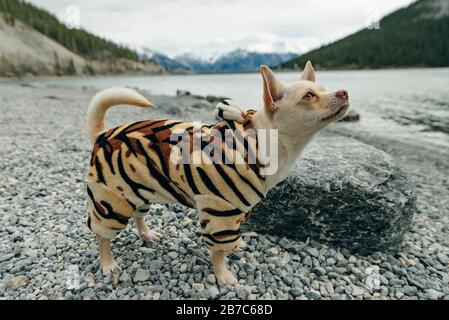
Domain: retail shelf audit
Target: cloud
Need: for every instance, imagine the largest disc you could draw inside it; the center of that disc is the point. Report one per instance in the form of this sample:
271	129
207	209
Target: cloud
205	27
260	42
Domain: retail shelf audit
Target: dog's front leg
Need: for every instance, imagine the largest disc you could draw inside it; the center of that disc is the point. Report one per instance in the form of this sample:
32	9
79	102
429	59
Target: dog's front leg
220	227
222	273
107	262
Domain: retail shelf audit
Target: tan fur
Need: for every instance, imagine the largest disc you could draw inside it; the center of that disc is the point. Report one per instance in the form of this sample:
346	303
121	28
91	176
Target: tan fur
105	99
297	120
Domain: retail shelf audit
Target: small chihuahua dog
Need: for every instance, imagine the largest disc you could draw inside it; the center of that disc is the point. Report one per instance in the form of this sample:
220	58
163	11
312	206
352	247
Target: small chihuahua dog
131	165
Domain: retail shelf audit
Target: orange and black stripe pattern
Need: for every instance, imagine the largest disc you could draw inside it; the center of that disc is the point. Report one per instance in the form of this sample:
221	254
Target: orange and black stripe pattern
130	168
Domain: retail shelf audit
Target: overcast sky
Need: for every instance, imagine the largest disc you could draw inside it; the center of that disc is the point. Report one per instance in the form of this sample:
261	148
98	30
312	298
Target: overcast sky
208	27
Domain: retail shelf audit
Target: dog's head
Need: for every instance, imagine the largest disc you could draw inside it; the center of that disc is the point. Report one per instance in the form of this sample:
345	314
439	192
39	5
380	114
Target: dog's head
303	105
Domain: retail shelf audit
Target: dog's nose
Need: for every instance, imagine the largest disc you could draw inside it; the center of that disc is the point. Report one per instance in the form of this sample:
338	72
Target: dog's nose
343	94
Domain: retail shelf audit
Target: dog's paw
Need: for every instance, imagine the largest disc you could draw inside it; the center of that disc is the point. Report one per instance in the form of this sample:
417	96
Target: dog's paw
225	278
113	269
242	245
110	268
150	235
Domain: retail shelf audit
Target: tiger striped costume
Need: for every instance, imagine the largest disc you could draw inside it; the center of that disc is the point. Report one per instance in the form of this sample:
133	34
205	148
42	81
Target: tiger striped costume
130	168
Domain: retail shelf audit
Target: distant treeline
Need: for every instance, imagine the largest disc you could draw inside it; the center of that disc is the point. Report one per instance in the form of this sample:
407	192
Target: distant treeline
76	40
413	36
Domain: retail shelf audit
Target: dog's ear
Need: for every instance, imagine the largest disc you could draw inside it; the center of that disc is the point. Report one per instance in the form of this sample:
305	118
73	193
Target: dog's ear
272	89
308	72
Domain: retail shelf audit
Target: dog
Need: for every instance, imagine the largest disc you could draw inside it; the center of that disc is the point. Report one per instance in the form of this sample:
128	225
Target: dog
131	165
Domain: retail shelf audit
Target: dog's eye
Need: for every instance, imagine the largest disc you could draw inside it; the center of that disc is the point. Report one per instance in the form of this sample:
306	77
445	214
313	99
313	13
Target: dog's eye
309	95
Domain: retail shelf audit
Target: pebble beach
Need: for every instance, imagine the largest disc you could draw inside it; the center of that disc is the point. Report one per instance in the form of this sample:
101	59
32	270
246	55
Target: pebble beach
47	251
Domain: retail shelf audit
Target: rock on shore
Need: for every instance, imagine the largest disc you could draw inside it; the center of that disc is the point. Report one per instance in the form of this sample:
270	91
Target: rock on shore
342	192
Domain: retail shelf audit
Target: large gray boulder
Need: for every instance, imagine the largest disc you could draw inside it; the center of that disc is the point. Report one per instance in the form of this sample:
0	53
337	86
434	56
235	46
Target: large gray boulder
342	192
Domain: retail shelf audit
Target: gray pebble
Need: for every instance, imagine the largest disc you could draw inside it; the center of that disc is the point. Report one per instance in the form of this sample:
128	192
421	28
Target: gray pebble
356	291
172	254
296	292
50	252
319	271
141	275
214	293
313	295
211	278
433	294
308	261
7	257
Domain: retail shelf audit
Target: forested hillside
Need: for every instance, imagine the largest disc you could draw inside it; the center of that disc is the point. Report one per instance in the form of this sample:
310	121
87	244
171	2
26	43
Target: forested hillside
414	36
33	41
76	40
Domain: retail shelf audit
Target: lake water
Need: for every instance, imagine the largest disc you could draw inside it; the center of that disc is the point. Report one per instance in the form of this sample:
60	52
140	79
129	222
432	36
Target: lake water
411	104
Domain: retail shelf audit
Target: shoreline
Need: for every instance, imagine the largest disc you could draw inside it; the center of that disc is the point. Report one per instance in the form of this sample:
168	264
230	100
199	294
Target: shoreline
143	75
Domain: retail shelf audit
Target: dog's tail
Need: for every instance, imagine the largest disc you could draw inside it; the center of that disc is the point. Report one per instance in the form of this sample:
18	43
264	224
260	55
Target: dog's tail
107	98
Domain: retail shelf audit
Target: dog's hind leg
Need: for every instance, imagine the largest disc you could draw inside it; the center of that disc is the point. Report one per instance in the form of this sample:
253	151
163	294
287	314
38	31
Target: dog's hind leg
145	233
109	213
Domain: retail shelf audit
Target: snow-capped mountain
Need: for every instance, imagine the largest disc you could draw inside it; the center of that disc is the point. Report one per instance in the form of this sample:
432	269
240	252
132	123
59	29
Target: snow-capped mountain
193	62
239	60
242	60
168	63
235	61
160	58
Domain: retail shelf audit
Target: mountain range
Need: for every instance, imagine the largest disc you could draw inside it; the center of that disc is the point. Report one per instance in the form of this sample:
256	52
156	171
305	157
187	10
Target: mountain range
238	60
165	61
415	36
235	61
